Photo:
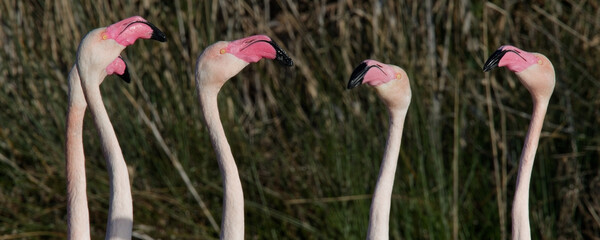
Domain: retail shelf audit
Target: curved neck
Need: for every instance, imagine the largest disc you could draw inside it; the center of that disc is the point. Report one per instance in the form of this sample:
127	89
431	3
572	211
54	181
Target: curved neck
520	209
78	220
120	213
232	224
379	217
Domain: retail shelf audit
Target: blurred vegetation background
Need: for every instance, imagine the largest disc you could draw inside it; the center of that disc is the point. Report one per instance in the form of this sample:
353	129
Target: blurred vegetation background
308	150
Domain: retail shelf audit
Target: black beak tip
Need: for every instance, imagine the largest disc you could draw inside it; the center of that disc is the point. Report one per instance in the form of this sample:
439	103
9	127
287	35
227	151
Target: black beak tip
493	60
358	75
125	76
157	34
284	60
487	68
280	55
354	83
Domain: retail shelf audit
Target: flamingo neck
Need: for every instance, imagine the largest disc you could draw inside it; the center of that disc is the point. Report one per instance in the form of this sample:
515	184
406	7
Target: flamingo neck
78	220
120	213
232	224
520	209
379	216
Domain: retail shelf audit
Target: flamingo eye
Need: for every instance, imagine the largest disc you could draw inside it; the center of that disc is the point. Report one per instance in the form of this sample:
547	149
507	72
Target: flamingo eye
223	51
104	36
398	75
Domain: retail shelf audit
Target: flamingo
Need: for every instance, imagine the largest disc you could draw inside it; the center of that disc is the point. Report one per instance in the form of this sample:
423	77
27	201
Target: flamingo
97	57
536	73
217	64
393	87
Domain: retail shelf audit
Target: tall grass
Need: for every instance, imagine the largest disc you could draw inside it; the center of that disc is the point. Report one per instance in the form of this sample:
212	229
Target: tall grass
308	151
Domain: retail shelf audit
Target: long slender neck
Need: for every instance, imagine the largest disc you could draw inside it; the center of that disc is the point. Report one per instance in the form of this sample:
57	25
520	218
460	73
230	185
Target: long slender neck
78	220
120	213
379	216
232	224
520	209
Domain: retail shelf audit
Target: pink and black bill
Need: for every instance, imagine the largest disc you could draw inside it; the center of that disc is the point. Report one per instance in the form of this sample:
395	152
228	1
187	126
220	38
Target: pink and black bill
495	58
358	75
157	35
280	55
125	76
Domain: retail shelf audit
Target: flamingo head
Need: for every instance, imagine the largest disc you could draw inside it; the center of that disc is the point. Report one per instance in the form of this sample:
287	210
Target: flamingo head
223	60
101	48
390	81
534	70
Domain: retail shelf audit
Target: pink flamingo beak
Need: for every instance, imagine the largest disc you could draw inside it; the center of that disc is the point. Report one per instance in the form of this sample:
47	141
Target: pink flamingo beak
253	48
381	74
125	32
119	67
511	57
